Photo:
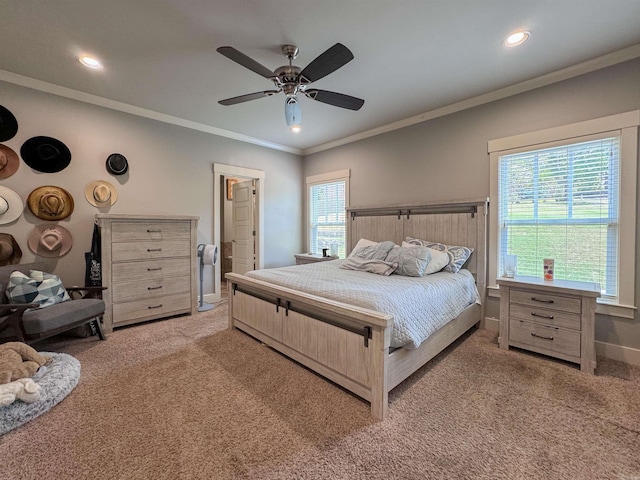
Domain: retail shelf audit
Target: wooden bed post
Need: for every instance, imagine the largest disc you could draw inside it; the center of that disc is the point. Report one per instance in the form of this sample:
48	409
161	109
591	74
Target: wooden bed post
380	342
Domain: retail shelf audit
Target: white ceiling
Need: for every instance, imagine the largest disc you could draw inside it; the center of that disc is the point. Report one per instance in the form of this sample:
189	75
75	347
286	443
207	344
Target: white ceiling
411	56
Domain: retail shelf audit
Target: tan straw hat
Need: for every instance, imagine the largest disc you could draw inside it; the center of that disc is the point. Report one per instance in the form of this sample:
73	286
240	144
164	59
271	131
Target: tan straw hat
50	203
10	253
50	240
9	162
101	193
11	205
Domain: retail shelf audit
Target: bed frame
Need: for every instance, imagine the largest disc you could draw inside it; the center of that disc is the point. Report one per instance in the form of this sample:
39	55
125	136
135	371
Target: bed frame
351	345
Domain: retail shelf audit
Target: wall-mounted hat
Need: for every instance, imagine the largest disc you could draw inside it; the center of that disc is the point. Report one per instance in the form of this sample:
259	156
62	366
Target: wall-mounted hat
9	162
10	253
50	240
45	154
50	203
101	193
11	205
8	125
117	164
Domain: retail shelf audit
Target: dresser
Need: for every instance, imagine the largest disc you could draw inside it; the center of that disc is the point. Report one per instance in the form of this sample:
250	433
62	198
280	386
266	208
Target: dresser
555	318
302	258
148	267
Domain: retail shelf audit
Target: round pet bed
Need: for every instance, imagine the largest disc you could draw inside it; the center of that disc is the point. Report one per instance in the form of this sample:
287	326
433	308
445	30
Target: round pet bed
61	375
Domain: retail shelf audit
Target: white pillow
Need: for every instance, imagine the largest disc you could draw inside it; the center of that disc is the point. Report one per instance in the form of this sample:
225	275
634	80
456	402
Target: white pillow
439	259
363	242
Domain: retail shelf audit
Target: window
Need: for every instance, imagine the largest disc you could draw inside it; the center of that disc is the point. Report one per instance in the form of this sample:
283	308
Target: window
569	194
327	199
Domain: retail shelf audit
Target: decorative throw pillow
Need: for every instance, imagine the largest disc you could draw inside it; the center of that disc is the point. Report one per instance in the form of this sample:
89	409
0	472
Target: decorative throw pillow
412	261
457	255
377	251
363	242
439	259
42	288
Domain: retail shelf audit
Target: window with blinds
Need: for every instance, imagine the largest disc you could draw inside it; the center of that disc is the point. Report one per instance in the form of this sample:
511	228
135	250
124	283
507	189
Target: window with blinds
327	216
562	202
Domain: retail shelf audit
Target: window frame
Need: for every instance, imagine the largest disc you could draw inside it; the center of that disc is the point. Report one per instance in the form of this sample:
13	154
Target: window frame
626	126
313	180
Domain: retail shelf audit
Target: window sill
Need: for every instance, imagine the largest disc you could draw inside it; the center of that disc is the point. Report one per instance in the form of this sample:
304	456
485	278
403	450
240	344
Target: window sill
603	307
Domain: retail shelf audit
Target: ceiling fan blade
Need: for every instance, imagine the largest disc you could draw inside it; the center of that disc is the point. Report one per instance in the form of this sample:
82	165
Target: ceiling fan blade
247	97
335	99
247	62
326	63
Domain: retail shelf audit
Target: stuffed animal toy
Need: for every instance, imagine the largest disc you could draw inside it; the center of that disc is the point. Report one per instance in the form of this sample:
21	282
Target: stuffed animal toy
18	360
23	389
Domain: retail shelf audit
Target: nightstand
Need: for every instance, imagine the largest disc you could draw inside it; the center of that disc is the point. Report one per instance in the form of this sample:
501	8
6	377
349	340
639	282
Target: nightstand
555	318
302	258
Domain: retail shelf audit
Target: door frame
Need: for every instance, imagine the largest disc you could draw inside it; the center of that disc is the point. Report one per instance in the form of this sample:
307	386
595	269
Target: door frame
221	170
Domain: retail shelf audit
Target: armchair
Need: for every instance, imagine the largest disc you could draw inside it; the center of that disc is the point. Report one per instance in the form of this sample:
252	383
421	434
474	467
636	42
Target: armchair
19	323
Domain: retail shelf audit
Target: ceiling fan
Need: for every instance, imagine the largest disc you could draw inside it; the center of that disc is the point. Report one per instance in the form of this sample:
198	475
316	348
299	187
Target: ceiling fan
293	80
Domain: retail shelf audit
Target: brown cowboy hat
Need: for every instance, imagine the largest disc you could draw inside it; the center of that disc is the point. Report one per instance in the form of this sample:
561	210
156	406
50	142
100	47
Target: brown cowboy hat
50	203
9	162
50	240
11	205
101	193
10	253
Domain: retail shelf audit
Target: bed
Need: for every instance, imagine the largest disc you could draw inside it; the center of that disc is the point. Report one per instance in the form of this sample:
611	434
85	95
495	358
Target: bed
349	343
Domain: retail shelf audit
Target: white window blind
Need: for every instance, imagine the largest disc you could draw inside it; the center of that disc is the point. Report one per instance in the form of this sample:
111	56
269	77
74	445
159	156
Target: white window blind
327	216
562	203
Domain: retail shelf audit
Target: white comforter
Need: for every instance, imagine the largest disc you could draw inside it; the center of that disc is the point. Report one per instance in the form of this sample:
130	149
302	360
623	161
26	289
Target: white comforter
419	305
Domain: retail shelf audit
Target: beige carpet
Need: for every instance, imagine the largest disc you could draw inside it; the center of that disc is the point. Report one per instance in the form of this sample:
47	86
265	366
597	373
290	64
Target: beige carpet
184	398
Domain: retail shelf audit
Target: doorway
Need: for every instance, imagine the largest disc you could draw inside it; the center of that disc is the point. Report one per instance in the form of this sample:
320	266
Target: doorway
221	173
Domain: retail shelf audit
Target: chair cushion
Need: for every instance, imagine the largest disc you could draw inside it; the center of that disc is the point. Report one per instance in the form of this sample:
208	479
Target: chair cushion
61	314
39	287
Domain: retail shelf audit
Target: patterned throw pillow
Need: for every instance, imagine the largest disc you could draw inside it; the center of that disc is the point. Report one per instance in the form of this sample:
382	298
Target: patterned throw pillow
411	261
457	255
40	287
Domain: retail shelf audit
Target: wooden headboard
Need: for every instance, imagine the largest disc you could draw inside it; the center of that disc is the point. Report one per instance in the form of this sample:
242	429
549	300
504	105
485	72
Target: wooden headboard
453	223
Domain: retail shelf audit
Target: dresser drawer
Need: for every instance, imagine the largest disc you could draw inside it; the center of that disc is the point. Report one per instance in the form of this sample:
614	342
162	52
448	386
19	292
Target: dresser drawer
128	231
163	268
150	288
122	252
545	316
544	339
139	310
555	302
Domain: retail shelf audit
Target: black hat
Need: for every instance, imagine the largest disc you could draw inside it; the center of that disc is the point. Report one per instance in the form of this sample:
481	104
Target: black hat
117	164
8	125
45	154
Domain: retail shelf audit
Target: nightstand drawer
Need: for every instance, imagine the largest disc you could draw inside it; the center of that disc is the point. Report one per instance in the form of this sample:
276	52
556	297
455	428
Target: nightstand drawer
545	316
544	339
536	299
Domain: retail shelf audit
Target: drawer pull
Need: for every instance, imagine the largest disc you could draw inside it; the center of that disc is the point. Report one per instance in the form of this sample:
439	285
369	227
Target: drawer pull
534	314
153	269
154	231
160	306
154	249
154	288
541	300
541	336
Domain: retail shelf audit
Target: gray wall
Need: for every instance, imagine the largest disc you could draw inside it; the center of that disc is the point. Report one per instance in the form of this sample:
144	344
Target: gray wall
446	158
170	172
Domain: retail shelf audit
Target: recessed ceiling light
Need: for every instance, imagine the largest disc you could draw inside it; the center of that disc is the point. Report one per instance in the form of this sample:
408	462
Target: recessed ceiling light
517	38
296	128
90	62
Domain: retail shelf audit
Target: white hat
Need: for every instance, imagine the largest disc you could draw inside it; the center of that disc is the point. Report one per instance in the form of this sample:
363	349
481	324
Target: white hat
11	205
101	193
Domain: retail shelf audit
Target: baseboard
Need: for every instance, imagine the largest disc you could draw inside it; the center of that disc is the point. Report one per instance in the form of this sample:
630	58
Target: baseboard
211	298
620	353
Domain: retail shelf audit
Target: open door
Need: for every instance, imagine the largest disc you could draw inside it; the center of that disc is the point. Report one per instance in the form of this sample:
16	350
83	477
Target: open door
243	244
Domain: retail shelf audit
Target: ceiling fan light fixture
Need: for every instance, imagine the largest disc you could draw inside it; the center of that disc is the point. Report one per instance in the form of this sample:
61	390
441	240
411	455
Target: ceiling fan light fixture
517	38
292	112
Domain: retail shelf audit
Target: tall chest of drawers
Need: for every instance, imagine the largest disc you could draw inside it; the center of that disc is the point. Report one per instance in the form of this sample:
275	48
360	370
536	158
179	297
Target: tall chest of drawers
555	318
148	267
